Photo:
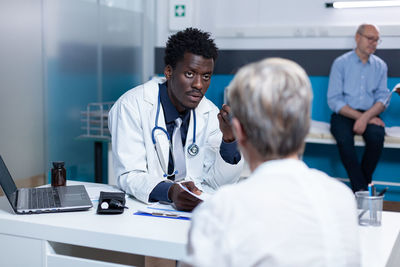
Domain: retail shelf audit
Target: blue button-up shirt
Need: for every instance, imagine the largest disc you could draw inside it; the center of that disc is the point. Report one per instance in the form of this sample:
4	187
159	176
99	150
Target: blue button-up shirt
356	84
228	151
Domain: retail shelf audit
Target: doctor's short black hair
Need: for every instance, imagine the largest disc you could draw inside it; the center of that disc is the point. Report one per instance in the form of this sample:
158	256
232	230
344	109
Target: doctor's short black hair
190	40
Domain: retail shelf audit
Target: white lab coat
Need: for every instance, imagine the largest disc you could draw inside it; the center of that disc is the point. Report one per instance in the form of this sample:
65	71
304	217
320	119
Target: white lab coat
284	214
135	161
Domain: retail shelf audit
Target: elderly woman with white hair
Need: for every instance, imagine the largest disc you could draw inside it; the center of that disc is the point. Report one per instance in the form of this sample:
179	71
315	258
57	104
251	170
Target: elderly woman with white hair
284	214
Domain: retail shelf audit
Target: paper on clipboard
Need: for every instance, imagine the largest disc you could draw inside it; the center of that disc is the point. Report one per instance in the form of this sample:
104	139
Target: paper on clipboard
387	100
203	195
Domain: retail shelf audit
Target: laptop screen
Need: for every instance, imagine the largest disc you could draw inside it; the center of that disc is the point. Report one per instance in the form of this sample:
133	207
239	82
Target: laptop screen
7	183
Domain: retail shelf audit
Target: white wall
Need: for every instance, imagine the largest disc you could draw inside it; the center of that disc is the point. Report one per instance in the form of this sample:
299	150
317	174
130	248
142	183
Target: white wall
21	88
284	24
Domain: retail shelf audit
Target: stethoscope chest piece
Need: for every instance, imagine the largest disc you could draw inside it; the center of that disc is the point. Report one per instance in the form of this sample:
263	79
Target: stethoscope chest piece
193	149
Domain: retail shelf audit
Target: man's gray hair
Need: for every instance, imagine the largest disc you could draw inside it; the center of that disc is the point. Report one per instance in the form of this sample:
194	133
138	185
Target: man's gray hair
272	100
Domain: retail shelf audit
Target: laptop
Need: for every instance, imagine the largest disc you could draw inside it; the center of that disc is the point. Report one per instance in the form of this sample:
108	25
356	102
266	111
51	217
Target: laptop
43	199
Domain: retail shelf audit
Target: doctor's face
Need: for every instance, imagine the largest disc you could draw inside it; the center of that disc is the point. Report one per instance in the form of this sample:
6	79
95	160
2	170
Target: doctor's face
189	81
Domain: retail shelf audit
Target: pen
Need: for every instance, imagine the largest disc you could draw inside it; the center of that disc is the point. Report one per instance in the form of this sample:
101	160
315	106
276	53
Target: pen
370	189
164	214
383	192
167	215
372	212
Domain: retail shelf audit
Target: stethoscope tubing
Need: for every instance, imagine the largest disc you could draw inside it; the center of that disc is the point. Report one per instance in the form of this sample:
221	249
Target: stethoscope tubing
156	127
193	148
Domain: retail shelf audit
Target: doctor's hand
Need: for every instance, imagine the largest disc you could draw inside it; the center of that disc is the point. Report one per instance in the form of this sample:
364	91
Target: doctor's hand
225	124
182	199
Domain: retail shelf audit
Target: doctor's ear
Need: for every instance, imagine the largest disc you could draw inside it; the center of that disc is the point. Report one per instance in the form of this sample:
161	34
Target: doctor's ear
168	72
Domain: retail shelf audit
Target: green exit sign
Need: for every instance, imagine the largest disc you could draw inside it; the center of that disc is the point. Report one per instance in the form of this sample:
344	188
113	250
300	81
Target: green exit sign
180	10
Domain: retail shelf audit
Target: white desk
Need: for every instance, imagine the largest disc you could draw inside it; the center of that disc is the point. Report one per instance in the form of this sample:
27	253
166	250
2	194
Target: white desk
380	246
24	239
50	239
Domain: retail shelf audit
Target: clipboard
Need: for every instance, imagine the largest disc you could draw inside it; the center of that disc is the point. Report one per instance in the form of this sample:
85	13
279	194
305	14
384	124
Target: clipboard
161	216
163	211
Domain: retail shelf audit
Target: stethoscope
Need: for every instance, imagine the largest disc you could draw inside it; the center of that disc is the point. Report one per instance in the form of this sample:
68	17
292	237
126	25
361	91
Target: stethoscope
193	148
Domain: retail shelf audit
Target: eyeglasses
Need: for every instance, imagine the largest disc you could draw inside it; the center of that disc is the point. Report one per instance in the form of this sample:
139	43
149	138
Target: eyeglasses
371	39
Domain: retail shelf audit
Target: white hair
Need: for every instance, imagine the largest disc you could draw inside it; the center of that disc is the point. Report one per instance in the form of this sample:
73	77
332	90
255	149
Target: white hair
272	100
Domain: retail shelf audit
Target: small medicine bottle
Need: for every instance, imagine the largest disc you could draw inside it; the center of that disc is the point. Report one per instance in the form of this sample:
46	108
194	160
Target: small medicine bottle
58	174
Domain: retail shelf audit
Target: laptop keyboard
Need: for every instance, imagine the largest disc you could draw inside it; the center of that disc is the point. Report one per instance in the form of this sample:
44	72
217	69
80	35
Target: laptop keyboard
40	198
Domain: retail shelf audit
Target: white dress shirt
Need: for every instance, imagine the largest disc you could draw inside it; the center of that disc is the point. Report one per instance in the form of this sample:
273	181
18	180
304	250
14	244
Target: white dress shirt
284	214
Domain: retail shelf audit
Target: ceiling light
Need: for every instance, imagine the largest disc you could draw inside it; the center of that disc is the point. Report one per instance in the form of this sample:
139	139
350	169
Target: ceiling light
358	4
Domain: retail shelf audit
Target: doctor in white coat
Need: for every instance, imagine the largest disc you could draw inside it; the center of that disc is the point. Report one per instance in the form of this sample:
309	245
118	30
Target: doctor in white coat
142	124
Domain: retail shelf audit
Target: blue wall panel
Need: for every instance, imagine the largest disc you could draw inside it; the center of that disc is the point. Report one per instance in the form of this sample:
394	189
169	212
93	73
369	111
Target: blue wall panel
216	90
68	95
326	157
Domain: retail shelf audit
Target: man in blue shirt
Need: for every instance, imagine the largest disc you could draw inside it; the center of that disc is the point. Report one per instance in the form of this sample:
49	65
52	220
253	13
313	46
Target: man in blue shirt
356	94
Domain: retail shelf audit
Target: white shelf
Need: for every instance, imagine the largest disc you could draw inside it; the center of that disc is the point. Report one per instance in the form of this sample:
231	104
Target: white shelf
94	121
